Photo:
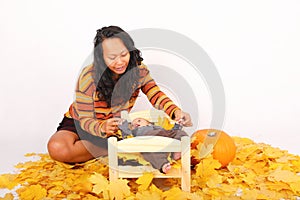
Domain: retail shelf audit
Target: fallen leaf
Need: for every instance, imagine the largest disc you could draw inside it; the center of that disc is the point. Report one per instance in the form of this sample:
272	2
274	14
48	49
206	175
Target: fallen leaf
118	189
144	181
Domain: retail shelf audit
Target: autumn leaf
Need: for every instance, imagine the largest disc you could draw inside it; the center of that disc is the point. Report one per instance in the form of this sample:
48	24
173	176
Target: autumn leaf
207	167
284	176
34	192
8	196
295	187
175	194
214	181
259	171
165	123
202	151
8	181
154	189
118	189
249	194
144	181
100	184
205	150
273	152
73	196
148	195
89	197
246	151
133	156
249	177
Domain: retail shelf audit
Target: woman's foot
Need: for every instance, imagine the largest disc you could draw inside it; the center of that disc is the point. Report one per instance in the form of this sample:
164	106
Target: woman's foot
176	155
166	168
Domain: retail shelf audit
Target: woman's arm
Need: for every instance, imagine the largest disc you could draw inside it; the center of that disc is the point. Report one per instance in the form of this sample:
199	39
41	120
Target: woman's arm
101	125
160	100
156	97
83	106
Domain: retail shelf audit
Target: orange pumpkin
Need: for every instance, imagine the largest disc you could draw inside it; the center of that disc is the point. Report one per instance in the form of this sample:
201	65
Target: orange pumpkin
224	149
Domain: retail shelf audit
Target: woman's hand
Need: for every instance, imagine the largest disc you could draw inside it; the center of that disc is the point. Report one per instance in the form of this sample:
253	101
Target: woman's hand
183	118
110	126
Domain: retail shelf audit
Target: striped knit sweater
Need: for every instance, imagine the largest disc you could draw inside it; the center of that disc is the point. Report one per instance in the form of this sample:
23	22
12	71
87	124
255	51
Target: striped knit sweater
92	112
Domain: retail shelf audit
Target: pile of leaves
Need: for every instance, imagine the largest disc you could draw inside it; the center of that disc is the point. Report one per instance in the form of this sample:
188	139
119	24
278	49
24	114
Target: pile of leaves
259	171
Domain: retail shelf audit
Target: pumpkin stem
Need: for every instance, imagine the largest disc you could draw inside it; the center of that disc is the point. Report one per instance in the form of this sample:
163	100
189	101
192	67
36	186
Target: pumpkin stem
212	134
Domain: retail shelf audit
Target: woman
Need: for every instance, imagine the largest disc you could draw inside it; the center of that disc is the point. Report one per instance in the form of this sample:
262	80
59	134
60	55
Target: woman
105	88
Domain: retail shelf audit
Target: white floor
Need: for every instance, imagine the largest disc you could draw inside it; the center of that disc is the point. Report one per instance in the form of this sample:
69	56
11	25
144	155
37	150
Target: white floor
12	152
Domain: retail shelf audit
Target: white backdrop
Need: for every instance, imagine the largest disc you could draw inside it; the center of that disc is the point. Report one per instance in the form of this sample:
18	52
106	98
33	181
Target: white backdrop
254	44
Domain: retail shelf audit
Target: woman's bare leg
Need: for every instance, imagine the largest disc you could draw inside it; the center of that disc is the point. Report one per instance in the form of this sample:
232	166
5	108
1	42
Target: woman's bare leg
65	146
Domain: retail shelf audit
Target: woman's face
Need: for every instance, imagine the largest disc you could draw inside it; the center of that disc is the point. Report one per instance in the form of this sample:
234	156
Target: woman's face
115	54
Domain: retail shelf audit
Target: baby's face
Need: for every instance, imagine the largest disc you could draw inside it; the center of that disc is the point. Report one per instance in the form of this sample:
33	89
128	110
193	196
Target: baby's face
139	122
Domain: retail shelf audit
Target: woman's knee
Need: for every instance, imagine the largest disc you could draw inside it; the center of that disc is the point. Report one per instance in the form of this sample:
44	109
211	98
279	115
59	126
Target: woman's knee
59	145
58	150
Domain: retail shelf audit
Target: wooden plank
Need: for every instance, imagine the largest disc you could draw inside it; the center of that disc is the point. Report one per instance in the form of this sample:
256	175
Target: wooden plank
149	144
113	159
152	115
185	164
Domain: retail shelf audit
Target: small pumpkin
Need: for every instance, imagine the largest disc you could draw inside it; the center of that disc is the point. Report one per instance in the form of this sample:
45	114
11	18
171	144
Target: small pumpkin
224	148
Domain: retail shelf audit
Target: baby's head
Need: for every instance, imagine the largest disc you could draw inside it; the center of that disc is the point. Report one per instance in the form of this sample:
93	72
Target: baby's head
137	122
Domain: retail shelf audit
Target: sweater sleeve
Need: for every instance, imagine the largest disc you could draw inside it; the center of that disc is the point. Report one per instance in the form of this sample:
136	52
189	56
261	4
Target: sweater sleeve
83	105
156	97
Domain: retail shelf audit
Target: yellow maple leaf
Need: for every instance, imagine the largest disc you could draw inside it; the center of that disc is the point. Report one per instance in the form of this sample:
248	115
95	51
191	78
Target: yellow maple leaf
272	152
249	194
73	196
242	141
207	167
66	165
285	158
258	172
228	189
8	196
205	150
89	197
165	123
195	196
33	192
53	192
212	192
144	181
275	186
249	177
80	183
147	195
259	167
174	194
154	189
100	183
268	194
214	180
295	187
133	156
201	151
284	176
246	151
8	181
118	189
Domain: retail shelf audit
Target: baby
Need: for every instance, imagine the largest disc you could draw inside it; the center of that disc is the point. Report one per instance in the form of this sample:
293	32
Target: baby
142	127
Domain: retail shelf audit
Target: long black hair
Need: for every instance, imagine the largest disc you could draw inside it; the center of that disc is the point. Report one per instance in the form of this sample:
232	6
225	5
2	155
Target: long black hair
115	92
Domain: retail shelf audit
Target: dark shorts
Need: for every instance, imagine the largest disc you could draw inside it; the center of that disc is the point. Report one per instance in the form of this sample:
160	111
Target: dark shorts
73	126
